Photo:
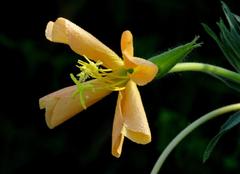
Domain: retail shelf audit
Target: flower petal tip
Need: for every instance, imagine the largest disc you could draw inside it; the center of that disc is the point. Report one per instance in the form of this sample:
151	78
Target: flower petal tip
127	43
140	137
57	31
115	154
50	125
42	103
48	31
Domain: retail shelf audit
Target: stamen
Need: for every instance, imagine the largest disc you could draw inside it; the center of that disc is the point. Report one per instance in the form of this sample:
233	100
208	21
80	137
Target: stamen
113	81
91	69
80	90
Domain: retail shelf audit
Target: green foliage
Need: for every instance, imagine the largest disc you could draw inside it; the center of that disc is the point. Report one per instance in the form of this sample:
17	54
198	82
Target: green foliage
230	83
233	121
229	43
229	40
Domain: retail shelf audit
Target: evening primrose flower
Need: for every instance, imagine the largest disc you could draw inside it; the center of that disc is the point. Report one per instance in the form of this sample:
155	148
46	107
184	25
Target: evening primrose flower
103	72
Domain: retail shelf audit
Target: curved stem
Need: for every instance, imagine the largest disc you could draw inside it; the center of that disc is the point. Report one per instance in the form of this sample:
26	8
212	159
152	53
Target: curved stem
206	68
188	130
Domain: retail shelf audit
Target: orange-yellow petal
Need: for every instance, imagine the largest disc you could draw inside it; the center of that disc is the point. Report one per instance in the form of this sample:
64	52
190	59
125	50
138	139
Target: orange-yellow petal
117	136
127	43
82	42
144	71
130	119
62	104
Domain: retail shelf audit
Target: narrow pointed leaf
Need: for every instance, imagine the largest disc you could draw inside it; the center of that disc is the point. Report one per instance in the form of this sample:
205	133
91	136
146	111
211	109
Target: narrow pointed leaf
229	37
230	17
232	84
232	121
212	34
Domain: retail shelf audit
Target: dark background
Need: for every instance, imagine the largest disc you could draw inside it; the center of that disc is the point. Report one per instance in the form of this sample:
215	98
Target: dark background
32	67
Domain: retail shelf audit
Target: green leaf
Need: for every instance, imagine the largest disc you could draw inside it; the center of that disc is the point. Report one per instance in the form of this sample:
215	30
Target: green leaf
170	58
212	34
232	18
237	18
232	121
231	42
229	39
230	83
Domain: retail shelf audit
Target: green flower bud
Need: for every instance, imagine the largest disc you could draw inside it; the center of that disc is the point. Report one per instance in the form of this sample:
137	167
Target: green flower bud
170	58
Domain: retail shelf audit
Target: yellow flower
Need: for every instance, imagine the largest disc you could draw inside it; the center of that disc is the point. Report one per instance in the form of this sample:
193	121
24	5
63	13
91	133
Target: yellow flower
121	75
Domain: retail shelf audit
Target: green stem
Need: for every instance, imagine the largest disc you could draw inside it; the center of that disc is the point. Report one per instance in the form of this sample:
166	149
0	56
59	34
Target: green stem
206	68
189	129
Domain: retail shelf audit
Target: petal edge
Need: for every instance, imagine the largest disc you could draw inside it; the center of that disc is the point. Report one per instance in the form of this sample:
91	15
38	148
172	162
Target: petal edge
62	105
82	42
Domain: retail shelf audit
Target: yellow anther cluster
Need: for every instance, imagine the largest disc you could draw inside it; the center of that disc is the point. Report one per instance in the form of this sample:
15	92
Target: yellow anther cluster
90	69
114	81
